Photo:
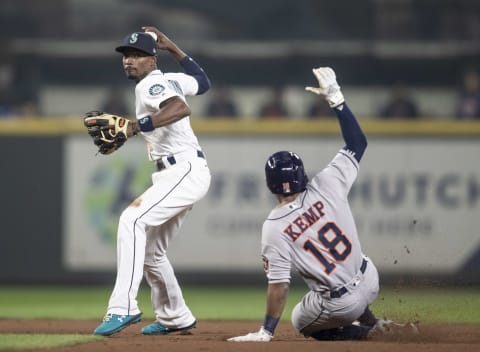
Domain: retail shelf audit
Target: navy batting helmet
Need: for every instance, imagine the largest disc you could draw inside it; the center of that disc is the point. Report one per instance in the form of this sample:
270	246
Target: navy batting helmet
285	173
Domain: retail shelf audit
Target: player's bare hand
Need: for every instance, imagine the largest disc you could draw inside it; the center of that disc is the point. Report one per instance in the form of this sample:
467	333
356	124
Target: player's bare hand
152	29
261	335
327	86
163	42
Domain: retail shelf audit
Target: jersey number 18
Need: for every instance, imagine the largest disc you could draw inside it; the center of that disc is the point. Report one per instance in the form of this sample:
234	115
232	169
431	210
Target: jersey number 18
335	242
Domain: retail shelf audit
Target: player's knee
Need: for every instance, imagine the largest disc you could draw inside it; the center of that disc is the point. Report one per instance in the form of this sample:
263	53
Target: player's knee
128	216
295	318
154	260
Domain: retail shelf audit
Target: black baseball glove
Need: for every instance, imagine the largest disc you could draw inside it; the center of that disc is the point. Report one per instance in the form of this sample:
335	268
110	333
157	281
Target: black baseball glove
109	132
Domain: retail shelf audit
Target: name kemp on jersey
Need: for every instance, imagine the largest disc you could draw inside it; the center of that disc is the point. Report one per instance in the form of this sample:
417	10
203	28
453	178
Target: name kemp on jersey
298	226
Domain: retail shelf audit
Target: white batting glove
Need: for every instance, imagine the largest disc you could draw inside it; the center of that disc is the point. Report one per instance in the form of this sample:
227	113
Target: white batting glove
328	86
261	335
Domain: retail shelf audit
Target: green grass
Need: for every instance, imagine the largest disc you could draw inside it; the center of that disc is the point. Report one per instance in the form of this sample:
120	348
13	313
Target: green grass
432	306
9	342
443	305
424	305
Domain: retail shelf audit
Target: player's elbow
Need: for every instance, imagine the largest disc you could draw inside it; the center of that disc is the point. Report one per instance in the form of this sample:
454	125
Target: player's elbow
203	83
360	148
184	111
363	142
357	146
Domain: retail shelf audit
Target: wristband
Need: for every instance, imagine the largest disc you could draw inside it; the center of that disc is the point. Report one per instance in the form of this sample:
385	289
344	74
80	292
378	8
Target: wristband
146	124
270	323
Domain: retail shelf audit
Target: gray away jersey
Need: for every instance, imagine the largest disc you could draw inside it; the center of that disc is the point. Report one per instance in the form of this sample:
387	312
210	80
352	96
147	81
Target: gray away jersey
316	233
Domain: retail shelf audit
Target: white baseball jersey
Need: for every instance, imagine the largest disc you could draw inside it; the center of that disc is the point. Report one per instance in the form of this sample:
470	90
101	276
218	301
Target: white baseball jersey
153	220
150	92
316	233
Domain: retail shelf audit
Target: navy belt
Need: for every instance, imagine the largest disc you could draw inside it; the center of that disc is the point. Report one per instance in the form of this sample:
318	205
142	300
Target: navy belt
172	161
341	291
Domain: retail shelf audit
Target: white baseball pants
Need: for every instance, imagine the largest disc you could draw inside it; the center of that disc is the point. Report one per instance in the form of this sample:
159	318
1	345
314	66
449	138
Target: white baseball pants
145	229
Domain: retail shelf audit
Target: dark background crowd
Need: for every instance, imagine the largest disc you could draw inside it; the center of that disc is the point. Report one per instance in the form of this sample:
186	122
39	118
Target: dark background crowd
396	47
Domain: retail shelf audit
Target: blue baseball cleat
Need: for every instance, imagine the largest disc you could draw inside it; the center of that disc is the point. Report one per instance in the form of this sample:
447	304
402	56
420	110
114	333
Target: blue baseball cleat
158	329
113	323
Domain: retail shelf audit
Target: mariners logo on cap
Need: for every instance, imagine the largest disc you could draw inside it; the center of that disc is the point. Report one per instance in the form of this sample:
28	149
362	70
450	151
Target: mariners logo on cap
133	38
156	89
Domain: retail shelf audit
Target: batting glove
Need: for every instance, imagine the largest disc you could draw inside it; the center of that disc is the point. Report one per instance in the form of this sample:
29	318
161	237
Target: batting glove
261	335
328	86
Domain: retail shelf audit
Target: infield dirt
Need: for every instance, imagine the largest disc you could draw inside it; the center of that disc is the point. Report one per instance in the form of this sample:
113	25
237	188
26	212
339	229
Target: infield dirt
212	335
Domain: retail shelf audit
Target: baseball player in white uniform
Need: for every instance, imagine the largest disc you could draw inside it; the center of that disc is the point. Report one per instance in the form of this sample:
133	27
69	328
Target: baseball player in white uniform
313	231
181	178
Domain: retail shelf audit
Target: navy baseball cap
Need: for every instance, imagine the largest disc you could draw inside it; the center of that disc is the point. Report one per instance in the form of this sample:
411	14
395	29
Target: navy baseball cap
138	41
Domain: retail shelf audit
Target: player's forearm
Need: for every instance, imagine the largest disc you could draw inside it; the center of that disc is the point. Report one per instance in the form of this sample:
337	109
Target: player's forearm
172	110
177	53
276	299
352	133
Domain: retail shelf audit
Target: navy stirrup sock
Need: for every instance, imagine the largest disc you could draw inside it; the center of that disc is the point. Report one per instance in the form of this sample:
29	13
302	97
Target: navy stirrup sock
368	318
351	332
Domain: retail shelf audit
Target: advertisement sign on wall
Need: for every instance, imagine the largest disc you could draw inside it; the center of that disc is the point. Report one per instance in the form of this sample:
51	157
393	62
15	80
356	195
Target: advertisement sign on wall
416	202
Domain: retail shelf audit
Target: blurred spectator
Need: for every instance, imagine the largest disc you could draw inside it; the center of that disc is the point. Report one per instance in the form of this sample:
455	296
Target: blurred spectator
23	109
27	109
468	100
114	102
6	109
221	104
6	99
275	108
319	109
400	104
